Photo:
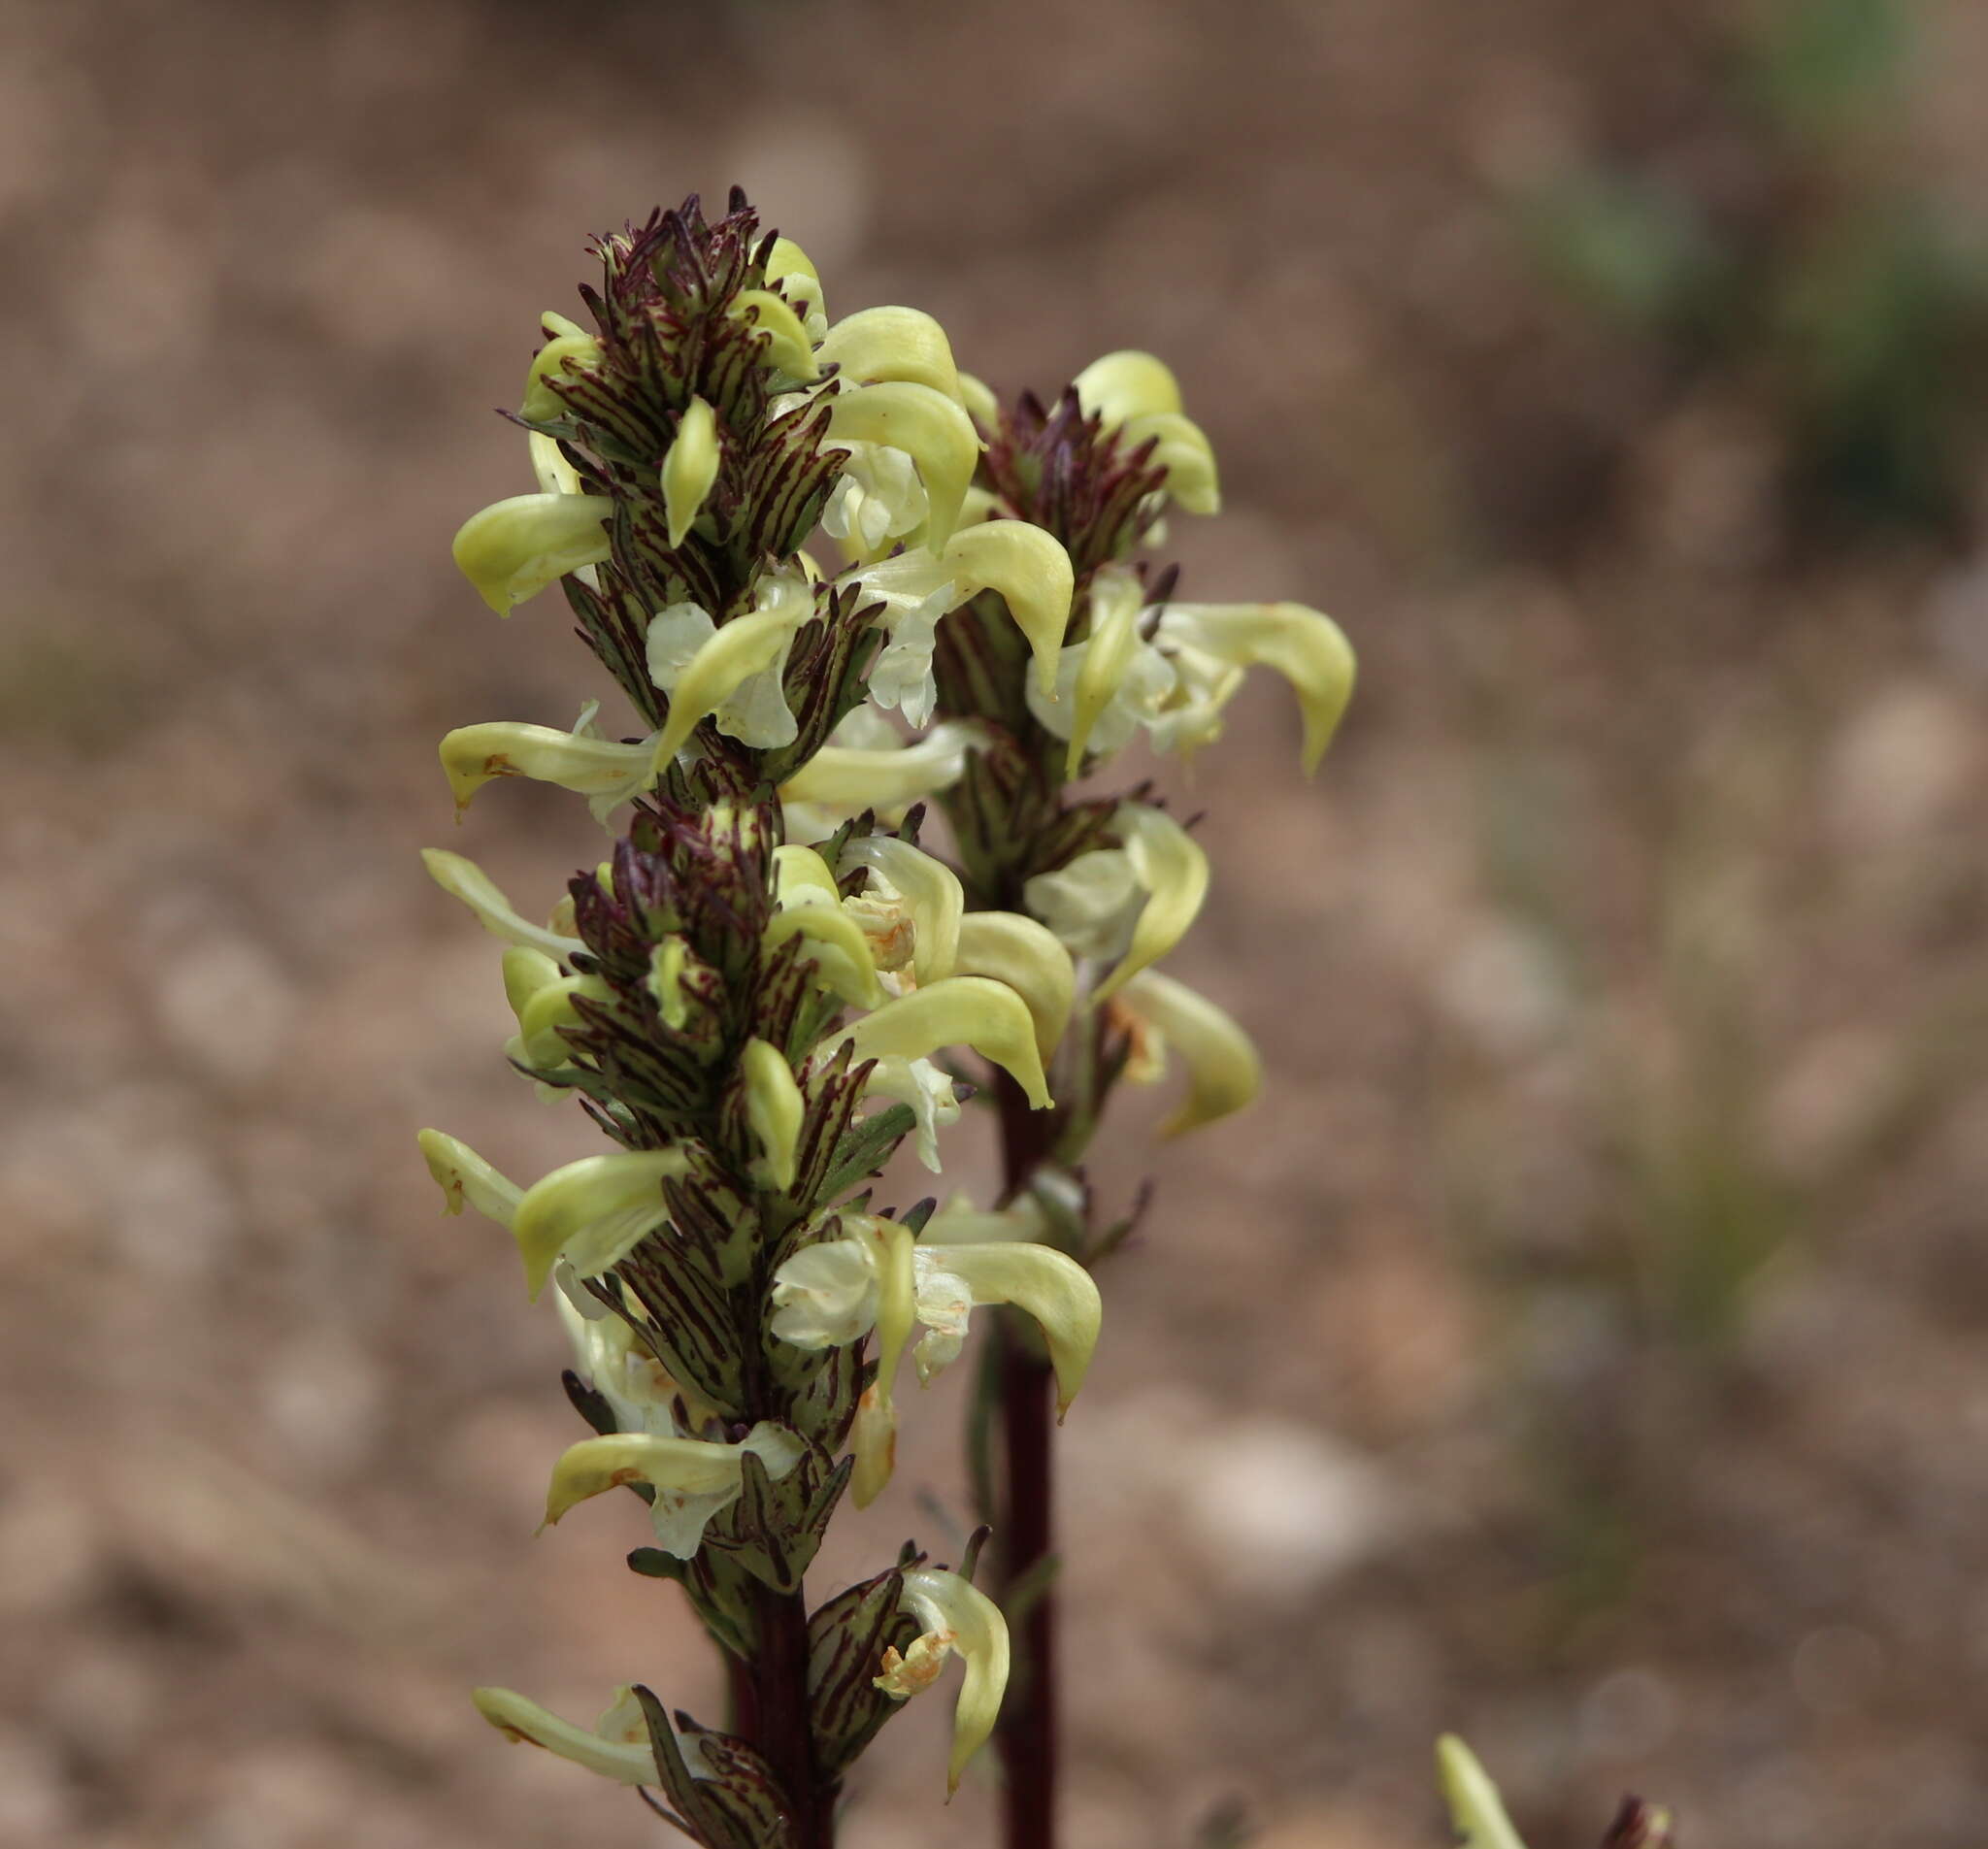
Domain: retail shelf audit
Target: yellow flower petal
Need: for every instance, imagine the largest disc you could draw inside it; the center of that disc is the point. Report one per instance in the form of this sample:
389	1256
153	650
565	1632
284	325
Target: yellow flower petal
473	755
594	1466
1051	1287
548	1010
1304	645
838	950
1474	1801
1115	599
1123	385
526	972
897	1300
464	1177
932	891
958	1011
690	467
900	344
786	344
557	476
1030	959
773	1108
1026	564
1168	862
872	1439
462	879
799	876
1181	447
514	549
667	962
625	1762
982	406
1031	571
1223	1069
850	779
956	1613
570	350
788	269
733	652
593	1211
930	428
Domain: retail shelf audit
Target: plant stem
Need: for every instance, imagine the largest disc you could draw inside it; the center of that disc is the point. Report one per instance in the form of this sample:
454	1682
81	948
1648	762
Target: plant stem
772	1692
1028	1730
1024	1524
776	1690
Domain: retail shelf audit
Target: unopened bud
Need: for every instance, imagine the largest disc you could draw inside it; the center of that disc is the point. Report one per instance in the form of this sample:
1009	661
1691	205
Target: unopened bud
773	1108
569	349
691	468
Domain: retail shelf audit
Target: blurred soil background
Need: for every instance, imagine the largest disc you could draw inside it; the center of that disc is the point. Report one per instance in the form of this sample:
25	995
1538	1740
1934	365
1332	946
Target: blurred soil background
1580	1347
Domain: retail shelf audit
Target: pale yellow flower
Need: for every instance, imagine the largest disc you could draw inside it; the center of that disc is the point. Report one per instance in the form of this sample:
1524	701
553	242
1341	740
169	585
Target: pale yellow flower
694	1479
957	1618
617	1746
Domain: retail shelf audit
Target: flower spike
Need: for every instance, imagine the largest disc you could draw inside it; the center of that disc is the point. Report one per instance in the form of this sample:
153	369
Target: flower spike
764	994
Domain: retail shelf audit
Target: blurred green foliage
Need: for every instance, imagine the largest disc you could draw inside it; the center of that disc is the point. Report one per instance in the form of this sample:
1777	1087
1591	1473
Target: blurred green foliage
1624	244
1840	295
1821	62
